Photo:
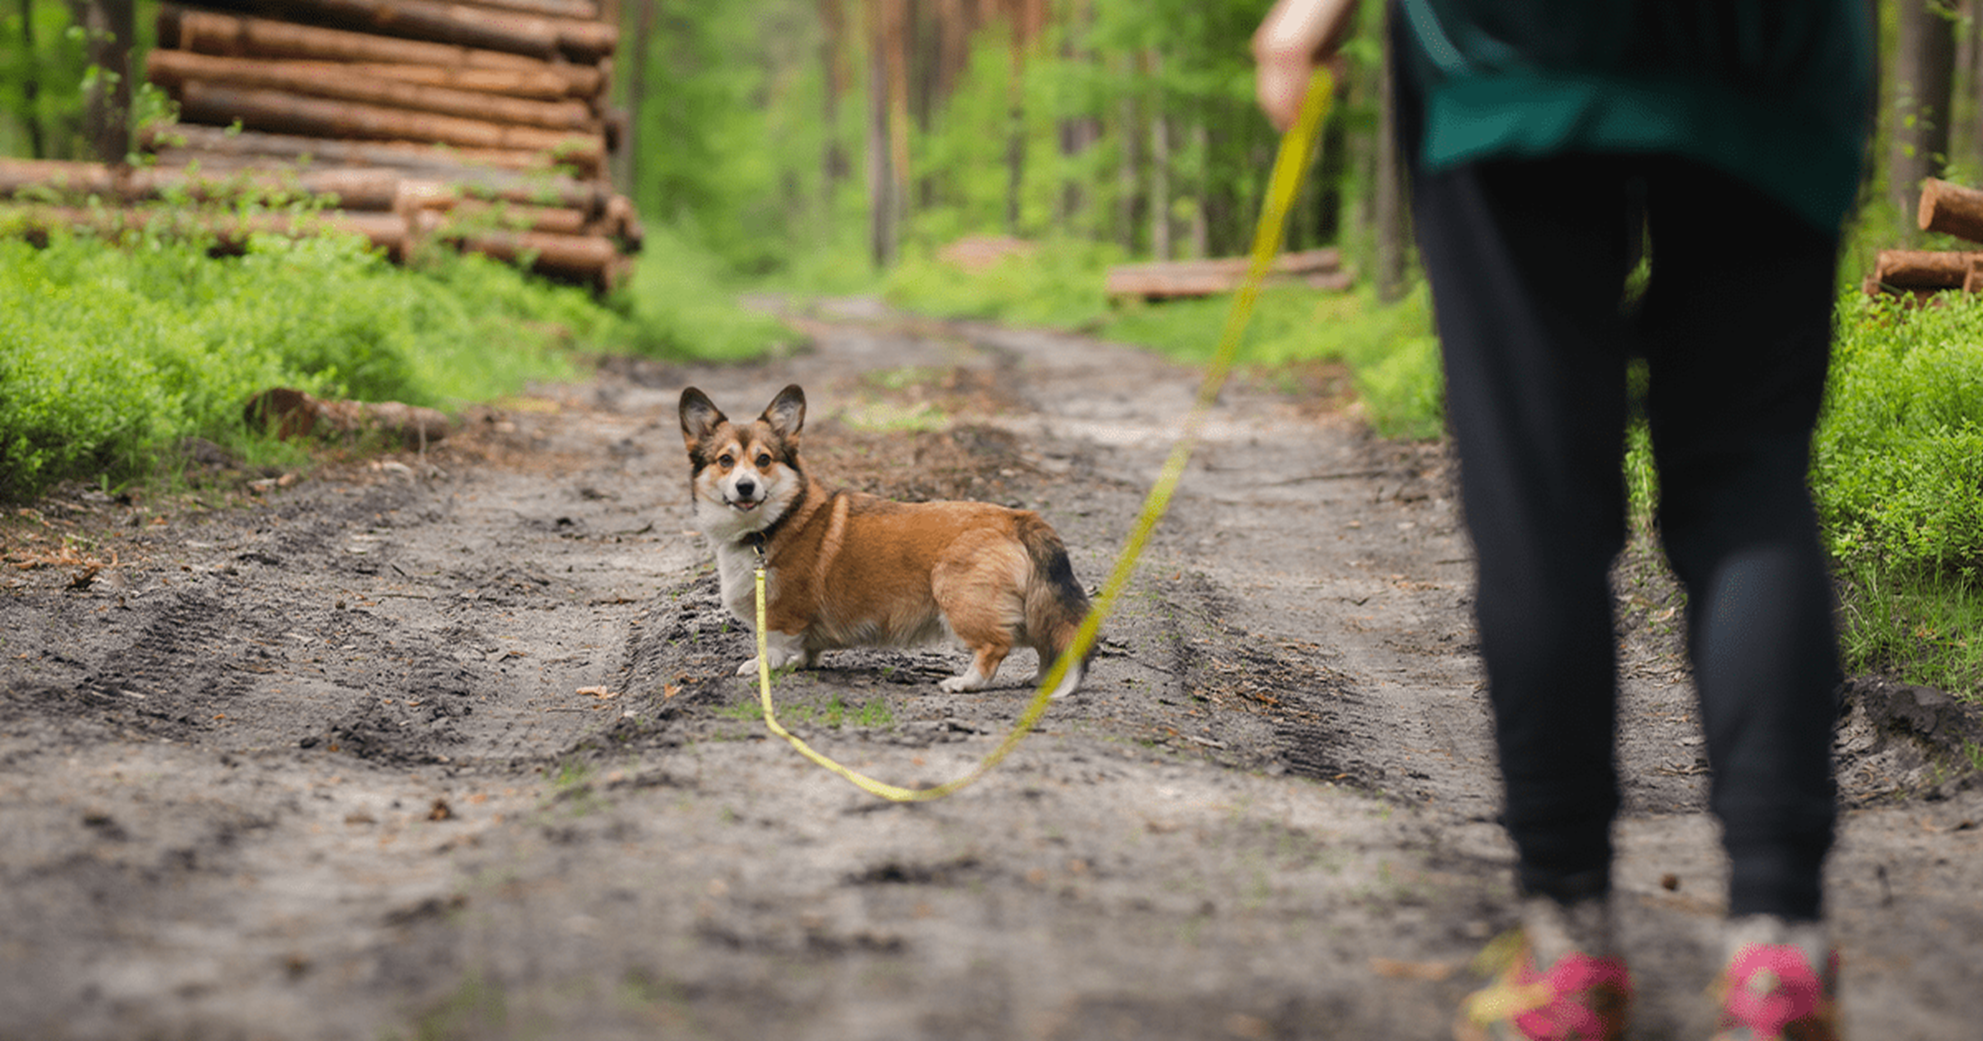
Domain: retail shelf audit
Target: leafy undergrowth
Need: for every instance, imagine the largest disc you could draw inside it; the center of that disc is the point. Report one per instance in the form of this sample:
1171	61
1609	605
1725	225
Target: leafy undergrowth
1391	351
1899	482
118	352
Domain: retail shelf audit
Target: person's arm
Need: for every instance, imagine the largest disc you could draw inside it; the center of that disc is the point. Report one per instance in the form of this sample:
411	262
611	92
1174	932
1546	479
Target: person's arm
1295	36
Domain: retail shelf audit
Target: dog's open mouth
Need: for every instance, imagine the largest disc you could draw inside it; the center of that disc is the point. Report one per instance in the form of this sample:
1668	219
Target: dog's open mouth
746	505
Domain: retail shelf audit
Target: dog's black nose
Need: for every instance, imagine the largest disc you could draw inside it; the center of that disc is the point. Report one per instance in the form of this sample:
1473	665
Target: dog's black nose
745	489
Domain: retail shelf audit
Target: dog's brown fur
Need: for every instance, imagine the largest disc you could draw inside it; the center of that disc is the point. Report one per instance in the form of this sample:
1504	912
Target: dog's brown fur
846	569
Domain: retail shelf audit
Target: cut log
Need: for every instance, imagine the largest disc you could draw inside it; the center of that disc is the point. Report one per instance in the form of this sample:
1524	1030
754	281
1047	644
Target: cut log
243	36
209	32
1951	209
581	9
588	259
56	180
287	113
532	84
1317	268
470	217
433	20
349	189
322	79
387	231
224	148
1921	269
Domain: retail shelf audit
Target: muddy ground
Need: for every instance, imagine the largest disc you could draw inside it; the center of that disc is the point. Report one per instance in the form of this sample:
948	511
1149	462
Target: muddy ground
448	745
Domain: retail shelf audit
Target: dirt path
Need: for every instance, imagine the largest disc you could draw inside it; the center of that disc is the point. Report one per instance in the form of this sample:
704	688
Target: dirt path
450	747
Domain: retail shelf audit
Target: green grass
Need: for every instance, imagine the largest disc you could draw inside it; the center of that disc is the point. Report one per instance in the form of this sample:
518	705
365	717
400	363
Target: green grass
1391	351
834	714
1898	478
117	352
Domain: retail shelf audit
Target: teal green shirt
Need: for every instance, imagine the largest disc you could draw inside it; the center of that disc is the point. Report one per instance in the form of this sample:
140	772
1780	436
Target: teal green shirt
1778	93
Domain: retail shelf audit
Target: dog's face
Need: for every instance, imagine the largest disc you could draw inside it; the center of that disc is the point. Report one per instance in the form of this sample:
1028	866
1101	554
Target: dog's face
744	475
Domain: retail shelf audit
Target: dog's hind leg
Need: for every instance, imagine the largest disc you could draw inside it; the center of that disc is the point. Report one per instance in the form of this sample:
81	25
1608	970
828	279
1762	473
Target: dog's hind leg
976	588
985	660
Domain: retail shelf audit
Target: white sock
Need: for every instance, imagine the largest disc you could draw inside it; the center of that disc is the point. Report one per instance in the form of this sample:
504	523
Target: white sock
1809	937
1555	929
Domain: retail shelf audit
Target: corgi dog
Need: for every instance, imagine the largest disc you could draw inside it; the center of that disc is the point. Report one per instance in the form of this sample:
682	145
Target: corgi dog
846	569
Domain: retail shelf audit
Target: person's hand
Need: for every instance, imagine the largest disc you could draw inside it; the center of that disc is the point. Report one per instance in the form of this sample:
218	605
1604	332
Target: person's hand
1295	36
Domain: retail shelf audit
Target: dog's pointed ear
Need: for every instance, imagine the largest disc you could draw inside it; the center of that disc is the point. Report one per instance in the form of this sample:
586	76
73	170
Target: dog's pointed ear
787	412
699	416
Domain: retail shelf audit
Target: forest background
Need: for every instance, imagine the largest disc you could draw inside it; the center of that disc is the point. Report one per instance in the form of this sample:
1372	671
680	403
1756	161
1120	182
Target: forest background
838	146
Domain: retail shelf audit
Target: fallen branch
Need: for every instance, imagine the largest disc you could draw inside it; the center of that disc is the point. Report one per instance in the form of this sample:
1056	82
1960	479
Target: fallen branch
289	413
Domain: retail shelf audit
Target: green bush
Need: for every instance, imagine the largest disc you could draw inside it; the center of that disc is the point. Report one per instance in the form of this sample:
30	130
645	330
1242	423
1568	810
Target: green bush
1898	470
116	351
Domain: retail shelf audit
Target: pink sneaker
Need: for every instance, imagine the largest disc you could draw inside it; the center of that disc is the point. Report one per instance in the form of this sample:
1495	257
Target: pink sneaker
1771	989
1578	998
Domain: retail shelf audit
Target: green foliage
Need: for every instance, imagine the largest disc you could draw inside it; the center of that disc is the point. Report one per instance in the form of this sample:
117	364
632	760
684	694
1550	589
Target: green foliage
48	52
681	304
1058	285
1391	350
1898	478
115	352
1899	455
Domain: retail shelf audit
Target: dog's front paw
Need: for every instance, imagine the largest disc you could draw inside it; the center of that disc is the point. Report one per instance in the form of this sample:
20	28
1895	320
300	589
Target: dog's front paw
960	684
748	668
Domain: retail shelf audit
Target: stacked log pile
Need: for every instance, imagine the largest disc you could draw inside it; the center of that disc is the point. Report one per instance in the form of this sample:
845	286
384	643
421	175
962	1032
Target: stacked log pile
1166	280
1920	274
480	124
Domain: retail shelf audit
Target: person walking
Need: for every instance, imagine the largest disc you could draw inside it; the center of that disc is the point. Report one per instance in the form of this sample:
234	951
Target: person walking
1551	146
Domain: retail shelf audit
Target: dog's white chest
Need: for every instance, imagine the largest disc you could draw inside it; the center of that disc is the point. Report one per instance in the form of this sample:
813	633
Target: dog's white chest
736	566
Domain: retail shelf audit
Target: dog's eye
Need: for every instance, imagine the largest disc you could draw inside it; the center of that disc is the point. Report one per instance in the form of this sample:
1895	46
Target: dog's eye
726	460
763	462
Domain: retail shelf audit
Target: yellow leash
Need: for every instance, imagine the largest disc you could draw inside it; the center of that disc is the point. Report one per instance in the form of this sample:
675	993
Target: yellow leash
1290	163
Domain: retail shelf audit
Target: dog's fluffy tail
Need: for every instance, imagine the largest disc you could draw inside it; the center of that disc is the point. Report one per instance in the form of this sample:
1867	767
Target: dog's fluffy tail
1055	603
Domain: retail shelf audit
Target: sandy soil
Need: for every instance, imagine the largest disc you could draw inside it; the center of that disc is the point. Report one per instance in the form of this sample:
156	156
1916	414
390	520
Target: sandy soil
448	746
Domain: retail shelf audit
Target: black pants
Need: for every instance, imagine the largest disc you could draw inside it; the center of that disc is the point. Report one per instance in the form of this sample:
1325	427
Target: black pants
1528	262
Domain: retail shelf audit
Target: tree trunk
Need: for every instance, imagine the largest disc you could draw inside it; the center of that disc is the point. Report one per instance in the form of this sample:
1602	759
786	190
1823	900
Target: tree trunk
1199	229
1160	165
628	161
832	48
31	85
110	25
1015	136
881	175
1388	210
1128	180
1924	87
1331	166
